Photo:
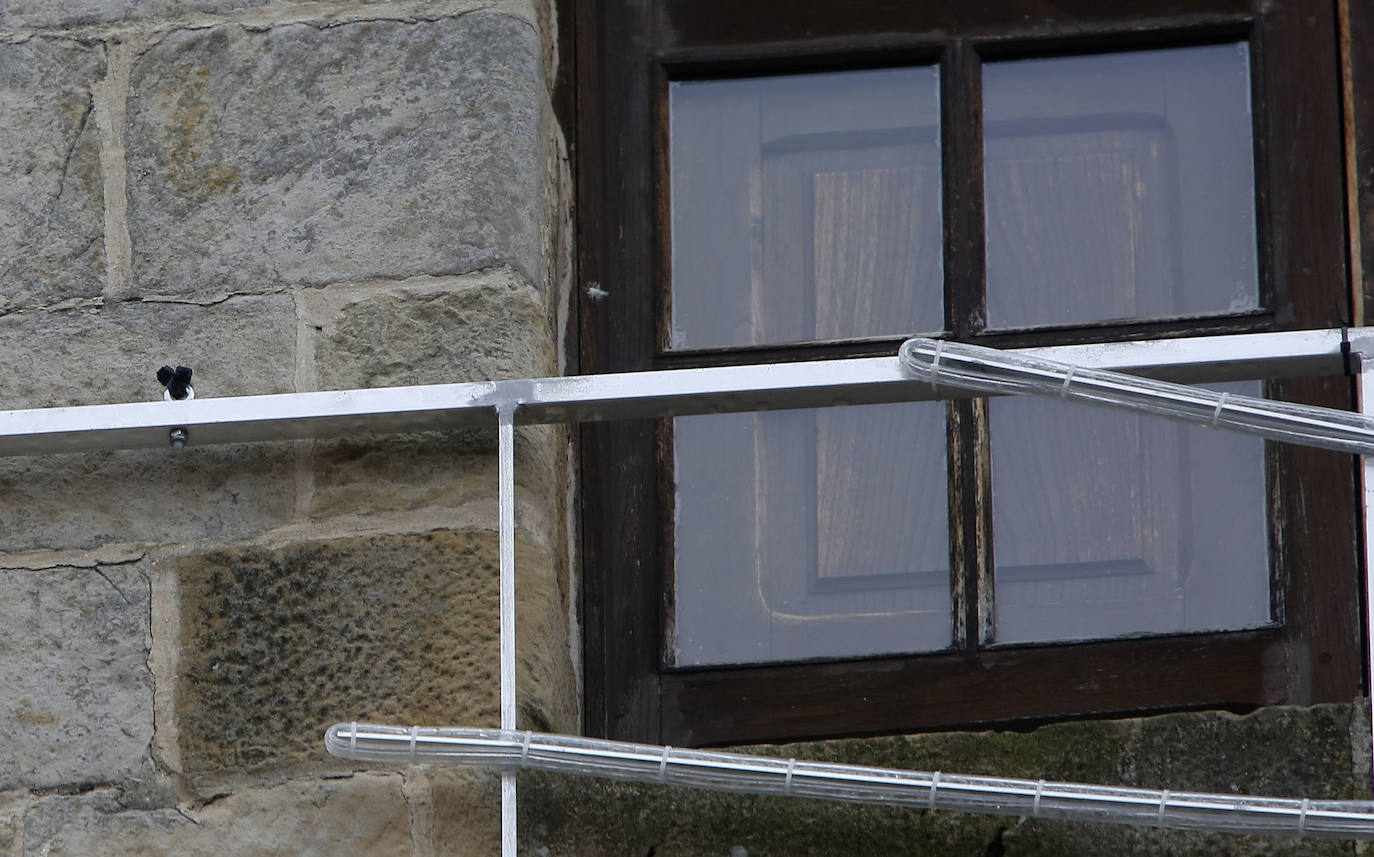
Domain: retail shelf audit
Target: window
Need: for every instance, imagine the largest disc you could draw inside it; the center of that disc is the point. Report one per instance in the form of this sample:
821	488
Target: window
775	187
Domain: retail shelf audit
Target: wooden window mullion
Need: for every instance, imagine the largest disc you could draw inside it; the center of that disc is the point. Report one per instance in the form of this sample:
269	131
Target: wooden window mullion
961	107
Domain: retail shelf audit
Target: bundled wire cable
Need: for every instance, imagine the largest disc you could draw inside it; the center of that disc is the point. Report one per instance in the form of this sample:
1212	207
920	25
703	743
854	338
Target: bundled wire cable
973	368
737	772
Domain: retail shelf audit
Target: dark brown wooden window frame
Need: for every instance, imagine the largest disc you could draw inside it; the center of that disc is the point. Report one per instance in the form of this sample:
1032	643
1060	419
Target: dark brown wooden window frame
627	51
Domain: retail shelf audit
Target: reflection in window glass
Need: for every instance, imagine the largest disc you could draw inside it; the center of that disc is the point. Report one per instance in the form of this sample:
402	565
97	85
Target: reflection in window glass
1109	523
805	207
1119	186
811	534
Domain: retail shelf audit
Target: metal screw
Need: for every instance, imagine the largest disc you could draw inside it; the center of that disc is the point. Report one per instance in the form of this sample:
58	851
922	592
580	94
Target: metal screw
178	438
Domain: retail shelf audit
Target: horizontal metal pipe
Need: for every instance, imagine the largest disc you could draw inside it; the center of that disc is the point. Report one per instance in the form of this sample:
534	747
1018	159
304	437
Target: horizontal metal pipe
738	772
871	380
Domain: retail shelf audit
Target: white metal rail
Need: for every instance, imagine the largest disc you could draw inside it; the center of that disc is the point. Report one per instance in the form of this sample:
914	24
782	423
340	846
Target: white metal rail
203	421
587	398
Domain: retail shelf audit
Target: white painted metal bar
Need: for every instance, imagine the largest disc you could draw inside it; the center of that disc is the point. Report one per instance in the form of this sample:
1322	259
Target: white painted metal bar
506	492
240	419
1366	402
737	772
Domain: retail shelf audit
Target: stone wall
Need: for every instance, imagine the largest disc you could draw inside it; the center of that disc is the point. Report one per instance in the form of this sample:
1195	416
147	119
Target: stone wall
285	196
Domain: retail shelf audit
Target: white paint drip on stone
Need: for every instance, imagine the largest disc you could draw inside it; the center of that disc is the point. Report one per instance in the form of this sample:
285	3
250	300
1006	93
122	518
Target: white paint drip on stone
111	97
419	798
164	659
305	381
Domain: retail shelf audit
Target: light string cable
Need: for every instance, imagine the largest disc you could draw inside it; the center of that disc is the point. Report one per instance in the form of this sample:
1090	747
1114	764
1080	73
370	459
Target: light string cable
738	772
977	369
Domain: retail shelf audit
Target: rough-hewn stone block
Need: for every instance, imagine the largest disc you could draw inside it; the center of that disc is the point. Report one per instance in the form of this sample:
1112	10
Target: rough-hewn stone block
314	155
1257	754
437	330
465	810
51	237
243	346
277	645
445	330
59	13
144	496
363	814
1284	752
78	694
111	354
10	821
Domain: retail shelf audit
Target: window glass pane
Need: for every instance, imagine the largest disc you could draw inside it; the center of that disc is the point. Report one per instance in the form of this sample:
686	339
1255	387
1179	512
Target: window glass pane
809	534
805	207
1109	523
1119	186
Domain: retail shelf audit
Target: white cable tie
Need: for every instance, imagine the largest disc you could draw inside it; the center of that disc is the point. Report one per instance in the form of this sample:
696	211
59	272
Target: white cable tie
1068	377
525	750
1035	807
1163	803
1302	816
353	739
935	362
787	783
414	731
1221	403
934	784
663	765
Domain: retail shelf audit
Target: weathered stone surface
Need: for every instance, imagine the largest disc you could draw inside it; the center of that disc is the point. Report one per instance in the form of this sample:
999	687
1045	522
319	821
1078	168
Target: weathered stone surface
316	155
363	814
56	13
277	645
437	330
144	496
481	327
78	695
111	354
1301	756
10	822
1219	752
466	811
546	688
51	237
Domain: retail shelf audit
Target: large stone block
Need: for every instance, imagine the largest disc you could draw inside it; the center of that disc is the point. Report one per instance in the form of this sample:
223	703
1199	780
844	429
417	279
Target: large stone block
277	645
445	330
442	330
242	346
10	823
51	237
111	354
363	814
315	155
69	13
1216	751
1301	756
78	695
144	496
20	14
465	810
